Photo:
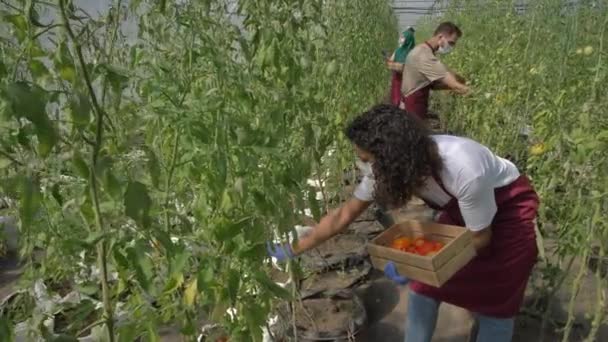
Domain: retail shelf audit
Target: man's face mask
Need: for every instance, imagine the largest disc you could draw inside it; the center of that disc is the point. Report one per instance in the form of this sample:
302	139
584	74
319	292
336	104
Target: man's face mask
446	46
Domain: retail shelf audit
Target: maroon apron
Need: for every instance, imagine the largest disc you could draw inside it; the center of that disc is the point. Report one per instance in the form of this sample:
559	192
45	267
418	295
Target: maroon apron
417	103
493	283
396	88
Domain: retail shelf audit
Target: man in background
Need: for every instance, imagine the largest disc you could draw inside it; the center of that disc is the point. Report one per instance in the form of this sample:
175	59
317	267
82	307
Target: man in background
423	71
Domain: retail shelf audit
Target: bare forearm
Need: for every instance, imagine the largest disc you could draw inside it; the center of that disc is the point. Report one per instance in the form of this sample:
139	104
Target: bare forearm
482	238
330	225
460	79
450	82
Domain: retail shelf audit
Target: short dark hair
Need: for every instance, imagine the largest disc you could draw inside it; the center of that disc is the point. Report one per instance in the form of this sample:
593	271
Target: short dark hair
448	28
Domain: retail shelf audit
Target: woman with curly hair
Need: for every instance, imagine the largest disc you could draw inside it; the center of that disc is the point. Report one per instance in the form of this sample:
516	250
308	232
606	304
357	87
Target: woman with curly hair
471	187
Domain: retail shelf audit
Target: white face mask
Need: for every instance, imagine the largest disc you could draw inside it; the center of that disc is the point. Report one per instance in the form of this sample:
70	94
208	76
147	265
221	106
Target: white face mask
365	167
445	49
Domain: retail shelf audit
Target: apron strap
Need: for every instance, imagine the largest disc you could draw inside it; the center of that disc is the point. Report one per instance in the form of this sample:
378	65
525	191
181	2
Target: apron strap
437	180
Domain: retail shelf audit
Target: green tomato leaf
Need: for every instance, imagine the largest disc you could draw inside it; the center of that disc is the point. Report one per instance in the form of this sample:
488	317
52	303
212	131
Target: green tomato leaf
226	232
165	240
331	68
174	283
152	333
121	260
95	237
38	69
3	70
112	185
178	263
314	204
6	328
90	289
4	162
80	166
57	194
80	110
63	338
30	102
206	275
234	281
20	24
30	201
191	292
271	286
116	76
140	263
137	203
127	333
68	73
153	167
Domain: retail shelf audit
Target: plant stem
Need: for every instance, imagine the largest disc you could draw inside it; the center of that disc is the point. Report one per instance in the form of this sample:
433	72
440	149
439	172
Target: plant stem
322	186
576	286
556	286
11	158
295	283
94	191
600	305
169	177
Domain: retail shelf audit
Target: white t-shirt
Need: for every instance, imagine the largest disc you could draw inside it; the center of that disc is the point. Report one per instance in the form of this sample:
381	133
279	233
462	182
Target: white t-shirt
470	173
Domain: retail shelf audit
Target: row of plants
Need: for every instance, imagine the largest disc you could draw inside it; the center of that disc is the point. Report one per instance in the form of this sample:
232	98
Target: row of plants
537	73
153	147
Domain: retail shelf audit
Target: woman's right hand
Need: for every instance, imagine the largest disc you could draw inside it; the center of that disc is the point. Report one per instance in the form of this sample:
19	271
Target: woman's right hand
390	271
280	251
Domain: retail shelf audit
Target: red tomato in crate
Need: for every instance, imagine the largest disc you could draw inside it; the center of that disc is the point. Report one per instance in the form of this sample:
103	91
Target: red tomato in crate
437	246
401	243
425	248
419	242
411	249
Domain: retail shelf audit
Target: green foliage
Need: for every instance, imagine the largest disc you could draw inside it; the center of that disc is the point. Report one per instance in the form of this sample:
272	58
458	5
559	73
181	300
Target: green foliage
154	149
541	69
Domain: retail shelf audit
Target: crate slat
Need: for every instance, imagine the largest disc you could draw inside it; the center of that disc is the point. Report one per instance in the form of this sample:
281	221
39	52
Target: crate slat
433	270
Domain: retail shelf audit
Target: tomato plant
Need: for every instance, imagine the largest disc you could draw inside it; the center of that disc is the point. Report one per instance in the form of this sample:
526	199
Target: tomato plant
536	71
153	147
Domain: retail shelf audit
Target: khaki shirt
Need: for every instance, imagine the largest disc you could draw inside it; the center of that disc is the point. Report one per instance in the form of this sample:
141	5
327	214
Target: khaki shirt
421	68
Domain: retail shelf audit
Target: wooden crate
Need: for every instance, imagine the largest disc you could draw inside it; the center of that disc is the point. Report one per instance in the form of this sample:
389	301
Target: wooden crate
432	270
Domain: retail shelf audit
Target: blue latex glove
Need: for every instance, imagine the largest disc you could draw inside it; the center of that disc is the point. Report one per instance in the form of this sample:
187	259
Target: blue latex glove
390	271
280	251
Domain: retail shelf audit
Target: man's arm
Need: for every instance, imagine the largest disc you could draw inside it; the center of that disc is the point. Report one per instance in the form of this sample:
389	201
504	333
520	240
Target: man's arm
330	225
459	78
451	82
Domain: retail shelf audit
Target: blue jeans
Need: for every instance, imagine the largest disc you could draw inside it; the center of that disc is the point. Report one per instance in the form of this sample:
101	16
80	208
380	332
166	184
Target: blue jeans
422	318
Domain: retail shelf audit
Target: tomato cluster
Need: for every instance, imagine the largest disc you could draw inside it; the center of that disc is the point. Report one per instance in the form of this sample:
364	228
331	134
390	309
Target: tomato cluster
418	246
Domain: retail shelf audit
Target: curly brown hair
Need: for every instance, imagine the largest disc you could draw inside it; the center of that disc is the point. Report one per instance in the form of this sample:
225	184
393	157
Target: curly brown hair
403	150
